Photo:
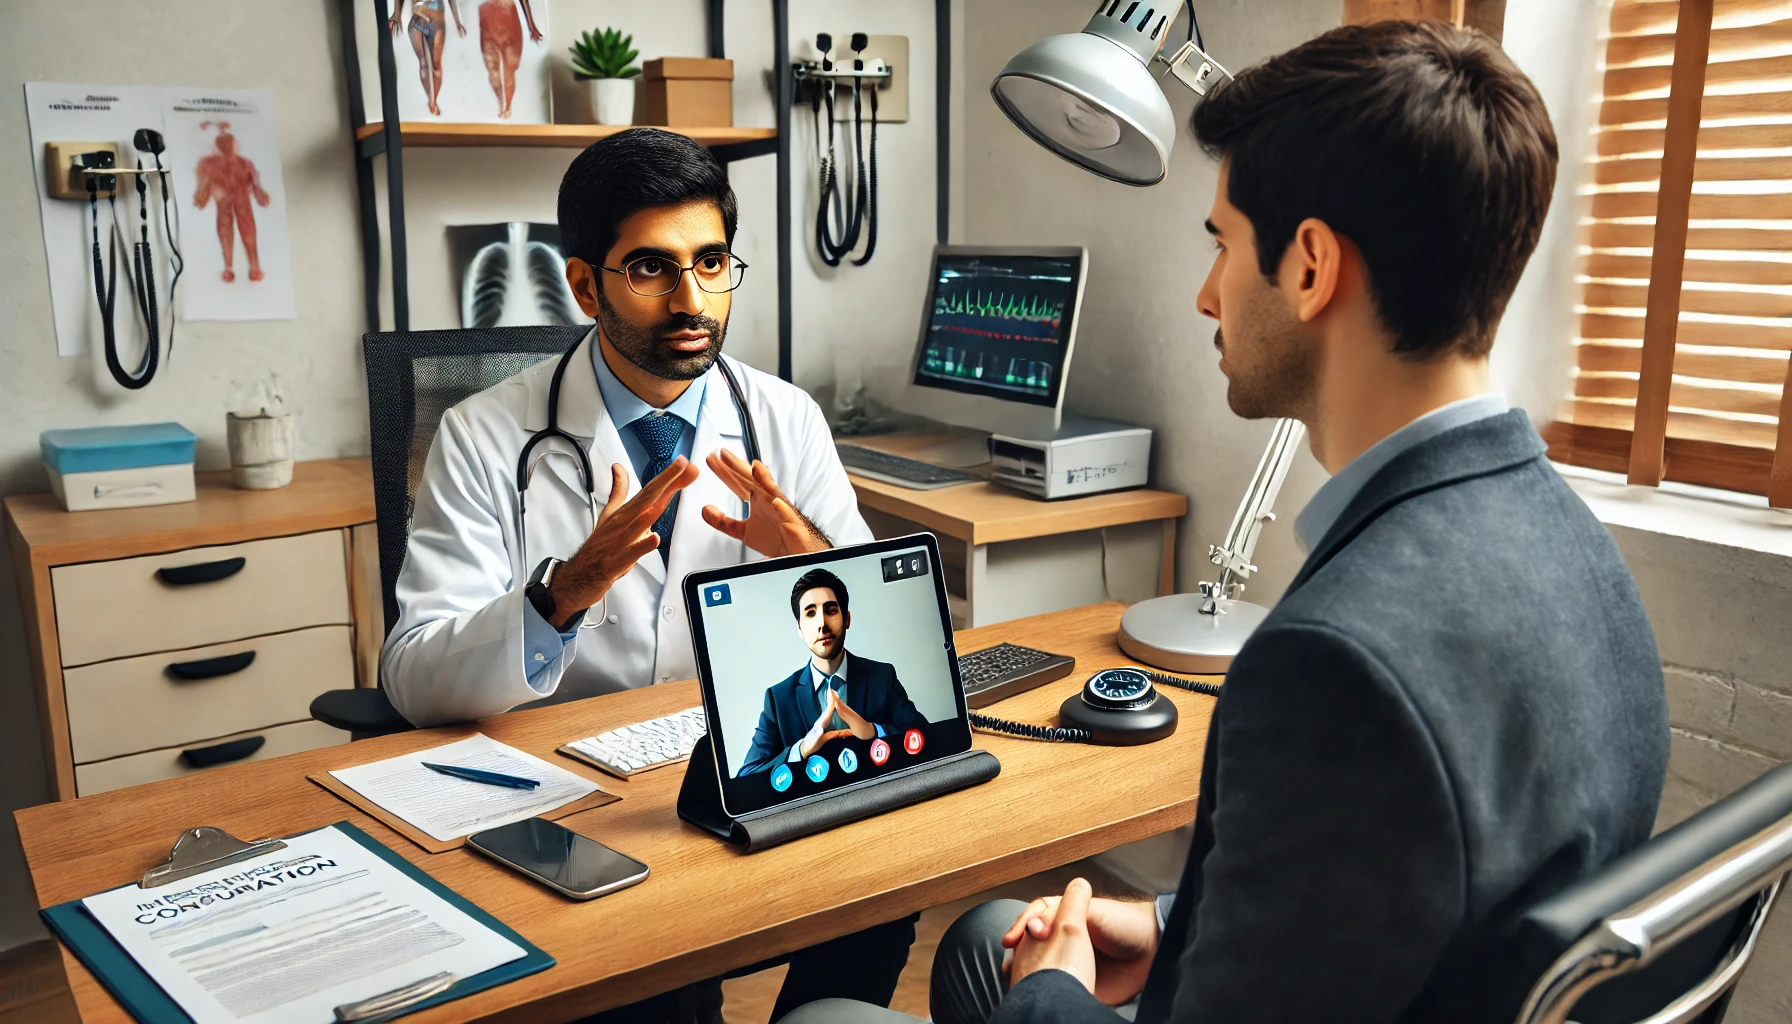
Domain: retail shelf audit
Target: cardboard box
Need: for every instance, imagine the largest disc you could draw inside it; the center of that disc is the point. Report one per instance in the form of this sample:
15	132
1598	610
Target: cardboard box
687	92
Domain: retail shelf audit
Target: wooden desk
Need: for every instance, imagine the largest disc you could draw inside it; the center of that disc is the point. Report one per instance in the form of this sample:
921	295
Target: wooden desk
981	514
308	597
707	908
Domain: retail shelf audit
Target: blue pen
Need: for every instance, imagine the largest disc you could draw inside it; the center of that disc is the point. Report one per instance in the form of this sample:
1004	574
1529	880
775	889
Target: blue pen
481	775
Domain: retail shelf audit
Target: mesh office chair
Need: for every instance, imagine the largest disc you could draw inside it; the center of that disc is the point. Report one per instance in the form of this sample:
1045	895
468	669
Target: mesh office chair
1673	923
412	379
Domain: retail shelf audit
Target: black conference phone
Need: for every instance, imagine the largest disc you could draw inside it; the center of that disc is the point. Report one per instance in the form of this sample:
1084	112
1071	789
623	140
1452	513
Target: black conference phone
1117	707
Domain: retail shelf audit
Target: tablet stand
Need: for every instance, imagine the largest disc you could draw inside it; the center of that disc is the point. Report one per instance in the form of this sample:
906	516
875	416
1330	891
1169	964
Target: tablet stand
700	799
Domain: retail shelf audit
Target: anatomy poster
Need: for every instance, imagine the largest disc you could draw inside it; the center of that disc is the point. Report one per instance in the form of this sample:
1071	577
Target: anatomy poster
460	60
232	204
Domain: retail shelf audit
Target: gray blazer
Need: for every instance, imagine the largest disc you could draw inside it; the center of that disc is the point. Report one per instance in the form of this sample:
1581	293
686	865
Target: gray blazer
1456	710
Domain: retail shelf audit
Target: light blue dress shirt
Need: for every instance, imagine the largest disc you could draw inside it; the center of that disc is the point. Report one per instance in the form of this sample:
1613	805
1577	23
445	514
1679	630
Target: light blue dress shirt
542	643
1322	513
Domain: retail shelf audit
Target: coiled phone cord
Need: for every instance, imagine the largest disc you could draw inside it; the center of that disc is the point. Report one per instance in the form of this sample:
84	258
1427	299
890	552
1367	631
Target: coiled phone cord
1066	734
1027	731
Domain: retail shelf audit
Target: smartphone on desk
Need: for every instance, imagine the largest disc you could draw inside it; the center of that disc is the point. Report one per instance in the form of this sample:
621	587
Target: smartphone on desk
559	858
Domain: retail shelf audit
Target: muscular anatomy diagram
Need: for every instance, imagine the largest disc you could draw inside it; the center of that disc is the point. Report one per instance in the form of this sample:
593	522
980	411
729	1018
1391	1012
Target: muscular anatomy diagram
230	178
501	43
429	28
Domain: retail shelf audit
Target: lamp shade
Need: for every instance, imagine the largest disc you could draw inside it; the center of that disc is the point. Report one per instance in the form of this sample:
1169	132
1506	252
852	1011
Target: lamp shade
1090	98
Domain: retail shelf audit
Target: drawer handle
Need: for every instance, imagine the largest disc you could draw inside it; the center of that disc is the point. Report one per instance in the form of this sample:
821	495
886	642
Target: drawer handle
222	753
212	668
203	572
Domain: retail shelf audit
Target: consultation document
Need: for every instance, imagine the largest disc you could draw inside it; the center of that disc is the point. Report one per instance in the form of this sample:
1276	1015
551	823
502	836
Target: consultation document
289	936
447	808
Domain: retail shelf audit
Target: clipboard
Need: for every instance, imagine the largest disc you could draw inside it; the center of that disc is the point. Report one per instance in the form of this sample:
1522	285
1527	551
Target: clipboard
203	848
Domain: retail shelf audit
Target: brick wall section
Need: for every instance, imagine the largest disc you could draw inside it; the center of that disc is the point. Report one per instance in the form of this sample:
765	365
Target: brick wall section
1723	621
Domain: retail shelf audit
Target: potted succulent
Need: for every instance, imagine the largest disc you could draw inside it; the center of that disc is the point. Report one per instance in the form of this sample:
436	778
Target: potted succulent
603	62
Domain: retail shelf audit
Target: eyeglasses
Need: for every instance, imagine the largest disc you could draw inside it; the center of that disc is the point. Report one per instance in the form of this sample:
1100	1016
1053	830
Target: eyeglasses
717	273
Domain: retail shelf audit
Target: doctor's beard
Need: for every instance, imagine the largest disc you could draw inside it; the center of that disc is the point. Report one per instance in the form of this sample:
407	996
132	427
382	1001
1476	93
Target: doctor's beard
647	348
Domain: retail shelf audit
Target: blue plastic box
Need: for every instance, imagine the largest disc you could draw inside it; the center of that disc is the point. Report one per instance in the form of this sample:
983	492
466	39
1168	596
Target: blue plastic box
119	467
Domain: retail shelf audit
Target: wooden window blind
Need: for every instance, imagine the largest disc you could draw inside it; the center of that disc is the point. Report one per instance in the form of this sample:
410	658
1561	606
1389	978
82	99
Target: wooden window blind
1685	325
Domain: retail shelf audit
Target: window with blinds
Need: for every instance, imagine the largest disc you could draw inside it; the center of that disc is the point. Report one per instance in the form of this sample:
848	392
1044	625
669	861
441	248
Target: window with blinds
1686	290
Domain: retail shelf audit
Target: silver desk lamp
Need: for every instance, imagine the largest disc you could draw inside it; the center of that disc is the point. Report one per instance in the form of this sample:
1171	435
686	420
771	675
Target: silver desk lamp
1090	98
1201	632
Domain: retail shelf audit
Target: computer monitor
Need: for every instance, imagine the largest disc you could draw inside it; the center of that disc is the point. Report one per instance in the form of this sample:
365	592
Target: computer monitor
997	331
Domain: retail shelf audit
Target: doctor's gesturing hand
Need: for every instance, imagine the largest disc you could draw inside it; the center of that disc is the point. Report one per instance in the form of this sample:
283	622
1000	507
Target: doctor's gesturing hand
773	526
624	534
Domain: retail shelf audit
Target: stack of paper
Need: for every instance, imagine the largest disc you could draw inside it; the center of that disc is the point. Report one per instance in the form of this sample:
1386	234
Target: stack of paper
447	808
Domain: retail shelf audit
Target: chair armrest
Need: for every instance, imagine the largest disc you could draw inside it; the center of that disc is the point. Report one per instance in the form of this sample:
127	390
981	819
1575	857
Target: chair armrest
363	712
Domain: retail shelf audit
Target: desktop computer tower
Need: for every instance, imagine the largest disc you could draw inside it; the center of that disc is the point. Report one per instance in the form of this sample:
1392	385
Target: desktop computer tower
1083	456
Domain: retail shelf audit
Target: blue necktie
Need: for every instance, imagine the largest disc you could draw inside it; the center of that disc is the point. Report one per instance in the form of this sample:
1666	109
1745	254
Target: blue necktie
659	435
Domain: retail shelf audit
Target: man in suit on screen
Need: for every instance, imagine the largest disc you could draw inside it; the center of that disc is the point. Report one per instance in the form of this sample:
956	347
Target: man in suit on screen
835	694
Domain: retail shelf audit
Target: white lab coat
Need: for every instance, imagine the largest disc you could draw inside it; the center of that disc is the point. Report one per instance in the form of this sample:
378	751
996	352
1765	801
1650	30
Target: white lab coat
458	651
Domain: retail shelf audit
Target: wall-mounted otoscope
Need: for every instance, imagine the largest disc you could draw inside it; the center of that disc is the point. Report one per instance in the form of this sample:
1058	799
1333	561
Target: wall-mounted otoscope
97	173
846	213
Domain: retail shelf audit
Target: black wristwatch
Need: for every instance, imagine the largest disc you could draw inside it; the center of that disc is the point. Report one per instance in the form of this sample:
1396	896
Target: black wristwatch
538	593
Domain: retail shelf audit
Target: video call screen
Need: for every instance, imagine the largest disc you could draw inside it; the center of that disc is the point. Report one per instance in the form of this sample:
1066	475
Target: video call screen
998	326
829	674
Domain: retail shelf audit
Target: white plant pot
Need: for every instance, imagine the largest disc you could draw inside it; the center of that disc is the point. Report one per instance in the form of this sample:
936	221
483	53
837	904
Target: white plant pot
612	100
260	450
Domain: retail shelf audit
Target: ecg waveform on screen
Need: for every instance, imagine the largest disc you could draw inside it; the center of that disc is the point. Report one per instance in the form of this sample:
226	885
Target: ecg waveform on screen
998	315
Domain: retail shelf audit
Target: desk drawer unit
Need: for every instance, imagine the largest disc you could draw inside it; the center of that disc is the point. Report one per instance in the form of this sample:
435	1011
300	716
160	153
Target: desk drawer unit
135	704
186	599
173	762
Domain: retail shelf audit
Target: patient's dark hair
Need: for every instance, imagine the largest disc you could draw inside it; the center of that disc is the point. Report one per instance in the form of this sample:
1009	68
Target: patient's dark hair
809	581
632	171
1420	142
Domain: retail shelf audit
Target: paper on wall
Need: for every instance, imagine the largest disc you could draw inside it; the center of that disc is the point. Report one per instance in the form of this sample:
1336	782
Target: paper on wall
73	112
232	197
294	933
63	112
484	64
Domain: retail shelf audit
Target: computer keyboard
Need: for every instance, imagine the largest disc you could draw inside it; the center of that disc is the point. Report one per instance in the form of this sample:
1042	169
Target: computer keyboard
642	746
921	476
1004	670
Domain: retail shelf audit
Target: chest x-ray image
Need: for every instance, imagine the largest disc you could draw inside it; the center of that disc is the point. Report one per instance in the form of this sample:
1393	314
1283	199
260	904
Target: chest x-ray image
511	275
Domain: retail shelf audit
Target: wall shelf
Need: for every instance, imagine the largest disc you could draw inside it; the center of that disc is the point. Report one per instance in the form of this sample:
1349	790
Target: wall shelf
572	136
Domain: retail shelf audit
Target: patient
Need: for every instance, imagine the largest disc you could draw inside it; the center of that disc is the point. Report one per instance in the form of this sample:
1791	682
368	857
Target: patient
1456	709
834	695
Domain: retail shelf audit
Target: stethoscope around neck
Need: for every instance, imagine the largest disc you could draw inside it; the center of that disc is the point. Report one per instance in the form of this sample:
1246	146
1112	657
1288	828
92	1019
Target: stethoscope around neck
524	468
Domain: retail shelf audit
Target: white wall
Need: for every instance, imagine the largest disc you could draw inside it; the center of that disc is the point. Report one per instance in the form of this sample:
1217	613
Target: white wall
1554	43
1144	352
288	47
843	316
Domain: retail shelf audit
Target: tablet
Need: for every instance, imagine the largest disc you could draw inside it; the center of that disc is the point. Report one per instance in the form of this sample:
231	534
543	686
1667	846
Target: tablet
826	671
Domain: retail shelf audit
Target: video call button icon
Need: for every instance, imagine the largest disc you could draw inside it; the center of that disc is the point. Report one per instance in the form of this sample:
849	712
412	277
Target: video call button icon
782	777
849	761
880	751
816	768
913	741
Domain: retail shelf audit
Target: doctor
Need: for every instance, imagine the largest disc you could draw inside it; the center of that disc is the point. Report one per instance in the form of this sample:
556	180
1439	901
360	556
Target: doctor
574	592
505	601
